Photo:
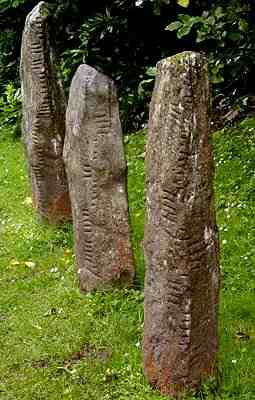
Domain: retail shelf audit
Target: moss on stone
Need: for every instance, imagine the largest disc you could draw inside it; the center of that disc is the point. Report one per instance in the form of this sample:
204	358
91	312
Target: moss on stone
183	57
180	60
42	9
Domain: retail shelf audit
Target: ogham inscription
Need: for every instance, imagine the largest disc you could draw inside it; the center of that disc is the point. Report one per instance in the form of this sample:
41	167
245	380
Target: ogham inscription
181	244
43	119
96	169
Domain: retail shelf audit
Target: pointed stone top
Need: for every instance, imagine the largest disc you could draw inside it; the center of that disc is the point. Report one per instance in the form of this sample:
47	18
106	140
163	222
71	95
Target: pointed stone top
41	11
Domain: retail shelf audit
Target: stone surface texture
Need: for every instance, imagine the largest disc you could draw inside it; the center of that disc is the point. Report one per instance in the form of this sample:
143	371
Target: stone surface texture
43	127
96	169
181	243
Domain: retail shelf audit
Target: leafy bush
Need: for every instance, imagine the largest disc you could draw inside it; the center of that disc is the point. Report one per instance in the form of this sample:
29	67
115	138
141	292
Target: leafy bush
113	41
226	34
103	43
10	109
8	65
125	38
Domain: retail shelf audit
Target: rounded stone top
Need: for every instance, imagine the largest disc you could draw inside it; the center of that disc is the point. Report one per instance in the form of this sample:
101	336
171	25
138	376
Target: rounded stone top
85	69
96	82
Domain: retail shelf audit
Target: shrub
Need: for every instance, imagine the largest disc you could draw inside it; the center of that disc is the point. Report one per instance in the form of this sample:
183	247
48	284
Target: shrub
10	109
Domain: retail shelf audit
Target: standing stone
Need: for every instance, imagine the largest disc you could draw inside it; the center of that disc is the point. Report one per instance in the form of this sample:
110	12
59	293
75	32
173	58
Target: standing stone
43	119
96	170
181	245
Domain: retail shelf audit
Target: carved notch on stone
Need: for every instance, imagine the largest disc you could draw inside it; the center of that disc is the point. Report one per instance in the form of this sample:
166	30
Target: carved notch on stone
96	169
181	244
44	108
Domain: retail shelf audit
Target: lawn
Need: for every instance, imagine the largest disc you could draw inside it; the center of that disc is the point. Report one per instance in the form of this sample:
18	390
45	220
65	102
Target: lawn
59	344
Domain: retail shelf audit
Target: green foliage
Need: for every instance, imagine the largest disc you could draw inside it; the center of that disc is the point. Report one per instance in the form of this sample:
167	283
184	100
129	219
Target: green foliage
145	86
159	3
8	67
124	38
226	34
8	4
100	43
183	3
10	109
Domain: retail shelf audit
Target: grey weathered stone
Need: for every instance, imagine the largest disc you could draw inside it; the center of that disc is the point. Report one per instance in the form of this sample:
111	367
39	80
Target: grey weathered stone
44	108
181	244
96	170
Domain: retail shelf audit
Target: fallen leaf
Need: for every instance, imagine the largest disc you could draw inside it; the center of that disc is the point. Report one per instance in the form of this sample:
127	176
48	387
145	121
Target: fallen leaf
30	264
28	201
15	262
37	326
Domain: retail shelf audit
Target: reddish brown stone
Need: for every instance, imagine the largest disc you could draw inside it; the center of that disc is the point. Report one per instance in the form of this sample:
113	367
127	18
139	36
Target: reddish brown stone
43	119
96	170
181	244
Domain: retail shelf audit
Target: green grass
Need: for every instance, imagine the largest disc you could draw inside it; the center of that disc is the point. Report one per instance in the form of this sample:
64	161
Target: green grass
235	188
58	344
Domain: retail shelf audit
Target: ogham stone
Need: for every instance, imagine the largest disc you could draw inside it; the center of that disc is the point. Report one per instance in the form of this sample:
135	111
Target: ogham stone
181	245
96	170
43	127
